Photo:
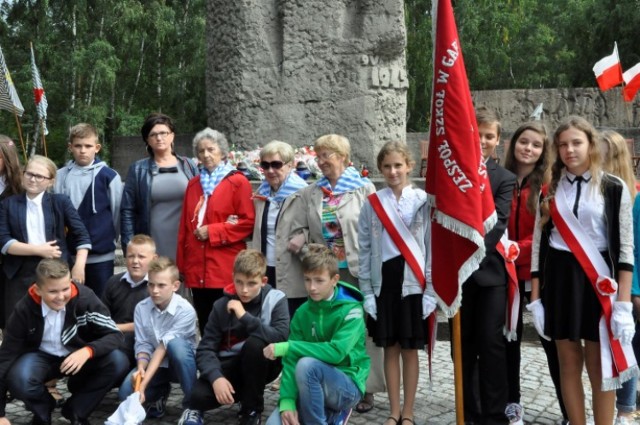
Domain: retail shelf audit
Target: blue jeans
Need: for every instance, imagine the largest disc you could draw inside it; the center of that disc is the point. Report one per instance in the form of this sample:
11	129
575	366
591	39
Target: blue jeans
182	369
323	392
626	396
88	387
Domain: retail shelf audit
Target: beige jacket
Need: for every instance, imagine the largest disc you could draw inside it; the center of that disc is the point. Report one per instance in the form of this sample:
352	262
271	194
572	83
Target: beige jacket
289	278
307	218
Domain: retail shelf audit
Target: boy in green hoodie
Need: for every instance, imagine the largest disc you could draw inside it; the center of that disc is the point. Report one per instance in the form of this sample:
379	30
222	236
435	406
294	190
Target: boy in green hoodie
325	365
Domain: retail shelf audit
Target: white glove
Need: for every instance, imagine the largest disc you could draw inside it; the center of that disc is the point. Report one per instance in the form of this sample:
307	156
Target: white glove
428	304
622	323
537	310
370	306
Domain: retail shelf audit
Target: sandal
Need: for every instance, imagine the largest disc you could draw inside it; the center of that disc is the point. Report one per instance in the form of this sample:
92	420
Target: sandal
410	420
366	404
396	421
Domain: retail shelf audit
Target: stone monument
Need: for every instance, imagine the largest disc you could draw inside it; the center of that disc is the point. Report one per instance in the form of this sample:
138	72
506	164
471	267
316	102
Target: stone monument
294	70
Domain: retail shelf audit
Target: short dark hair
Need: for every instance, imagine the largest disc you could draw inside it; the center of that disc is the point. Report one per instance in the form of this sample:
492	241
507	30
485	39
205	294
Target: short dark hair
51	268
318	258
151	121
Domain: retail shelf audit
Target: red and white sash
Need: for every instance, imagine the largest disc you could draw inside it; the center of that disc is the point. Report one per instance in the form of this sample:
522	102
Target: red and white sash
617	361
509	250
411	252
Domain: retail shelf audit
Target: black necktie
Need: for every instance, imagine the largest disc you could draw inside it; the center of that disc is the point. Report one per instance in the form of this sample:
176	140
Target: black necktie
578	180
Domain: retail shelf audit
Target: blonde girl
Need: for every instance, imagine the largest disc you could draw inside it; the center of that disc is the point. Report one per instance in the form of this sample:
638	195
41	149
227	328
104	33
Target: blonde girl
35	225
393	292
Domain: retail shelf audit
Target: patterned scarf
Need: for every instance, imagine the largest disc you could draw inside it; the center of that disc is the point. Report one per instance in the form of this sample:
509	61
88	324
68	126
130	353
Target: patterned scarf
350	180
292	184
209	181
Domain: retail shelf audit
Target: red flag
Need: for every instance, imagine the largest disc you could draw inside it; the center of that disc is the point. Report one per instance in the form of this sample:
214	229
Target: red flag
608	70
457	181
632	82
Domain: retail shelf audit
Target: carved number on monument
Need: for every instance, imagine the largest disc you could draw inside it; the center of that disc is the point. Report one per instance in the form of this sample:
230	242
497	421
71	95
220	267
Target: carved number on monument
385	76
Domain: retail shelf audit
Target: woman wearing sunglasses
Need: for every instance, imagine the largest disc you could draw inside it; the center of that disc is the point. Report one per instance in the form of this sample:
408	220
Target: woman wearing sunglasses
217	217
273	202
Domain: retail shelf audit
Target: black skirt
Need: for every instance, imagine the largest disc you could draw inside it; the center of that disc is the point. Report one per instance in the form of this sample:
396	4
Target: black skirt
399	320
572	309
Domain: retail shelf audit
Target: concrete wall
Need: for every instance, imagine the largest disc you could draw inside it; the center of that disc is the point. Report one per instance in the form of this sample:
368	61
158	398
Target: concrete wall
294	70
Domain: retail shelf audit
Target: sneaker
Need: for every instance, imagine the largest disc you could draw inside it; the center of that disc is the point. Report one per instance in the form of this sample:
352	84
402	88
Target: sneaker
343	417
515	413
250	418
156	409
191	417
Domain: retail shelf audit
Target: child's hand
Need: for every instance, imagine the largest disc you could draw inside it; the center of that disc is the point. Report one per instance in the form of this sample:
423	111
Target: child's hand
77	274
4	421
74	361
235	306
289	417
232	219
270	351
224	391
50	250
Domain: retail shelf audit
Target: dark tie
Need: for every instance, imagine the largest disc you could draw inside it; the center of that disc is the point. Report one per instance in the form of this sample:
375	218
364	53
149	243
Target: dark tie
578	180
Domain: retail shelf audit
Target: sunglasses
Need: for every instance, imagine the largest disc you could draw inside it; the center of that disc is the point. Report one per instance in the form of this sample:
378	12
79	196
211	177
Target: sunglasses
276	165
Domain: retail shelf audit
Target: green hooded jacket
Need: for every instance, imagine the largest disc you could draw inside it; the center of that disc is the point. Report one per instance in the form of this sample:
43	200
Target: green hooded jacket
331	331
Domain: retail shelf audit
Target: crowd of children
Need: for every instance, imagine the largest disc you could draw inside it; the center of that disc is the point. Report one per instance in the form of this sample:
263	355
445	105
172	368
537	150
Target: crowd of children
66	315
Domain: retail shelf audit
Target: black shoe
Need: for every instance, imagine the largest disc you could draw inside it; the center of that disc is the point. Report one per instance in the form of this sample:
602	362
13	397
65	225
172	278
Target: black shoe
250	418
38	421
73	418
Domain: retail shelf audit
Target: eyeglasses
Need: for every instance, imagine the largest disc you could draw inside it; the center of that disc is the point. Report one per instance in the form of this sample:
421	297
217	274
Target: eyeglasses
37	177
276	165
160	134
324	157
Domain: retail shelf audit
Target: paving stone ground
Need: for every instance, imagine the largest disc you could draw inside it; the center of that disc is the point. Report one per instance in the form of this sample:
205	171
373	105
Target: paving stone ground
434	406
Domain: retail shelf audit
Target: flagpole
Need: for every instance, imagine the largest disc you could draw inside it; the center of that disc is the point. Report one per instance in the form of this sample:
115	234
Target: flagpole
24	150
44	138
457	368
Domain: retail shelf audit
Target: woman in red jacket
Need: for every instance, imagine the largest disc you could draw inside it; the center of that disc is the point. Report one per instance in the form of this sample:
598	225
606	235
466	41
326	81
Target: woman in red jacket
217	217
528	158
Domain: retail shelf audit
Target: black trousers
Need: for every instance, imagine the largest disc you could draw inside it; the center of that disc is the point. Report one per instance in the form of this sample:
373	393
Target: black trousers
249	373
27	377
484	353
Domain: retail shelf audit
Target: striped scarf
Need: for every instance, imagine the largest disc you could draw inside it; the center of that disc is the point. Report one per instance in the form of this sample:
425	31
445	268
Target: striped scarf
350	180
292	184
209	181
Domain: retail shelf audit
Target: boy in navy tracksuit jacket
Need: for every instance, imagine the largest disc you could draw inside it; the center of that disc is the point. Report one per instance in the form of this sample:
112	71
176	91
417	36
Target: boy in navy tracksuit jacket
95	191
59	329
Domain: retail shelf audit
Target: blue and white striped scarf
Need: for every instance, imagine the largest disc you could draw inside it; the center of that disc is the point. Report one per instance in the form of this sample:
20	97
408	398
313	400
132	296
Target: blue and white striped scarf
209	181
349	180
292	184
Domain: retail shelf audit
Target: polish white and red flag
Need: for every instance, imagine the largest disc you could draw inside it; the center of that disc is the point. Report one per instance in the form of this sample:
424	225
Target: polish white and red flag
456	180
608	70
631	79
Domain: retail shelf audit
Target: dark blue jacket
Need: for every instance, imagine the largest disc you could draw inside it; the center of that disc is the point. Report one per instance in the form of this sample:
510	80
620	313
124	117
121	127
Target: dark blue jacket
135	208
60	218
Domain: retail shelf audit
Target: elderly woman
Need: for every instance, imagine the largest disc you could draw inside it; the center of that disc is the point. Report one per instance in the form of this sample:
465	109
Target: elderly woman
273	202
217	217
328	213
154	189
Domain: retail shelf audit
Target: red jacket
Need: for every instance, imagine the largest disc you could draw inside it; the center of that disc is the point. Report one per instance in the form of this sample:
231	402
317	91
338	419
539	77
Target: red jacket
521	224
210	264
